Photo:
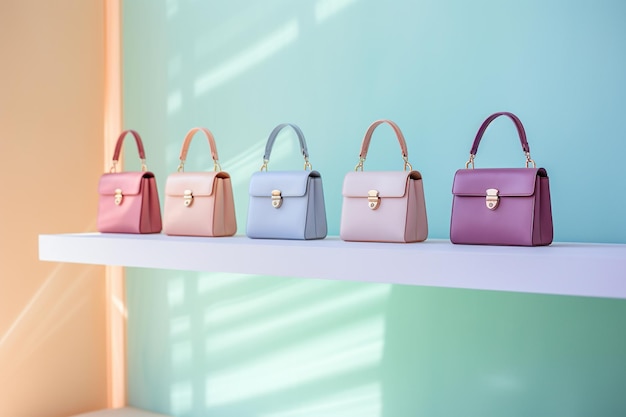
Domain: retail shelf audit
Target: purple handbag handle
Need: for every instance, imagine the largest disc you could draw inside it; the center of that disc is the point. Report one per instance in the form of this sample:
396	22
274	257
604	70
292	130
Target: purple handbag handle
483	127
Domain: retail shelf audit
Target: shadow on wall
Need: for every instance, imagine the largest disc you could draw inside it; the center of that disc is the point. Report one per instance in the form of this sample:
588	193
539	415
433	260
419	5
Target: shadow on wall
255	346
452	352
234	345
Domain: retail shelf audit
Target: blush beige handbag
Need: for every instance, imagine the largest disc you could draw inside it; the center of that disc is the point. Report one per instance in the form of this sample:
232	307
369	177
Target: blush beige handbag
383	206
199	203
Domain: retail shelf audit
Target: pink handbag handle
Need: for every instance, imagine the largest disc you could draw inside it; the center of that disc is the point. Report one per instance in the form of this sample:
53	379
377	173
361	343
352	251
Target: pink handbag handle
187	142
481	131
118	149
368	137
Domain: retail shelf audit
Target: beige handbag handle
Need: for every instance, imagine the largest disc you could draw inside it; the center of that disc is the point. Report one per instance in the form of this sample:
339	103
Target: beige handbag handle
187	142
368	137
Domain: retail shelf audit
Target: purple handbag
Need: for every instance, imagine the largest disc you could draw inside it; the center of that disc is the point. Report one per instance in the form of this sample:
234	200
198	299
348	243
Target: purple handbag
501	206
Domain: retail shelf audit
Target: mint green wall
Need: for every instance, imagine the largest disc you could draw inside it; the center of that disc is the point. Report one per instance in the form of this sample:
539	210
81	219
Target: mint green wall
226	345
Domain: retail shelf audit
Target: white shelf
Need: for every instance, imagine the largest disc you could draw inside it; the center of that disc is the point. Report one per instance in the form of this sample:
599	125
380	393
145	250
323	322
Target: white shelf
591	270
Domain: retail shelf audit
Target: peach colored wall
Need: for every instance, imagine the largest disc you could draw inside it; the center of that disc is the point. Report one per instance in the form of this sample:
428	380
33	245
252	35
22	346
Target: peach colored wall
115	275
52	316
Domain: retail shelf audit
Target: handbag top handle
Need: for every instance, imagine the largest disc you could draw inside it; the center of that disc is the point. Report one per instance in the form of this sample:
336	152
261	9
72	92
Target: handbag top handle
187	142
520	131
118	149
272	138
368	137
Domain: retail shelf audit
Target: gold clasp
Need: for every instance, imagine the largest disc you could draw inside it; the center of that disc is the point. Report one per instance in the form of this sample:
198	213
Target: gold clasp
144	167
373	200
492	200
113	166
216	165
277	199
470	161
264	166
529	160
188	198
118	196
359	166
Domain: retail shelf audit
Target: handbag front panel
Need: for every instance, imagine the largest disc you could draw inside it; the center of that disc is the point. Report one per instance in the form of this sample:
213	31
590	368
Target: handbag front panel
210	212
195	219
387	223
517	220
286	222
289	220
125	217
511	223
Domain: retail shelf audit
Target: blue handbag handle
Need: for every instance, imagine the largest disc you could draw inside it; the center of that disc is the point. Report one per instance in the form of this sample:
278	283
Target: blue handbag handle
272	138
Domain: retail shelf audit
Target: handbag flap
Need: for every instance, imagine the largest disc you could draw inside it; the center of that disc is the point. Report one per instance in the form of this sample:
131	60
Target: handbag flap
199	183
508	181
290	183
387	183
128	182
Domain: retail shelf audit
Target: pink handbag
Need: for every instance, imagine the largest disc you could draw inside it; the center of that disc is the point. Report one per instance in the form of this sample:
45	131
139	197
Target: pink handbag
383	206
501	206
129	201
199	203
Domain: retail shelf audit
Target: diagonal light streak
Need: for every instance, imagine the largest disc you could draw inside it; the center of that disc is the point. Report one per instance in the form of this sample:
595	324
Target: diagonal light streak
363	401
228	339
327	8
264	49
338	352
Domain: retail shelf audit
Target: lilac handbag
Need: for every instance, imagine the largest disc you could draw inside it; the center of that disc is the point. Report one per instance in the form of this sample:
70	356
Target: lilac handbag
383	206
501	206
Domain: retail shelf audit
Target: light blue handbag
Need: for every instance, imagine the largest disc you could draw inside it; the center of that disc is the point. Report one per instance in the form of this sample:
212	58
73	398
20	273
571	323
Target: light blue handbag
286	204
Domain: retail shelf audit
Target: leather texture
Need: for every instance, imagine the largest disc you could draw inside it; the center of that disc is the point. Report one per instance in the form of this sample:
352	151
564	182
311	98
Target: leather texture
400	216
302	213
211	212
522	213
199	203
137	209
400	212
